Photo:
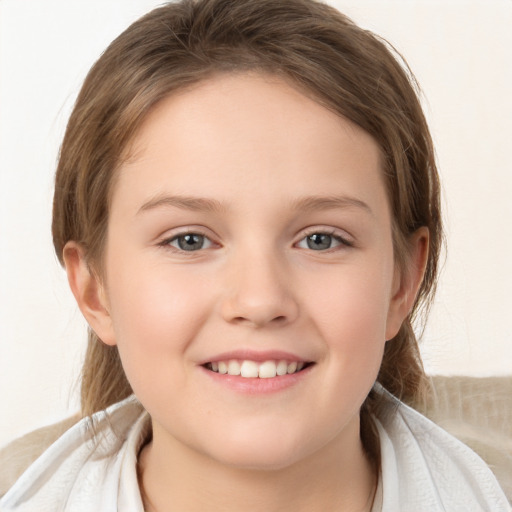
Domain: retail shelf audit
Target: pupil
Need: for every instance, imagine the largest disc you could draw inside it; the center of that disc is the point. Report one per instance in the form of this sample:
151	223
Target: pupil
190	242
319	241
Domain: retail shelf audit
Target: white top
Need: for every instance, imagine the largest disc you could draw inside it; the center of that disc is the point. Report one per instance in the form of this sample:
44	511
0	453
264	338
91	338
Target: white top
424	469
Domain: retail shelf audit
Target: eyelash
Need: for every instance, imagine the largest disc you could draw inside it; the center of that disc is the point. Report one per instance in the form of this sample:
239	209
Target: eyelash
342	241
167	243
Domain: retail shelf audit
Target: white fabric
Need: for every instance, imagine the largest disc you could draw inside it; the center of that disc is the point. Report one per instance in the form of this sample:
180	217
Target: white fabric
91	468
424	469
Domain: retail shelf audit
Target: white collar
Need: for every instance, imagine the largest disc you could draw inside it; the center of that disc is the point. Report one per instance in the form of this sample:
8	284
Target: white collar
93	468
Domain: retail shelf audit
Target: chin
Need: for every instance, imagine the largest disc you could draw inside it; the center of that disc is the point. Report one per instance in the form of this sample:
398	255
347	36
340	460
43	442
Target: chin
259	461
264	452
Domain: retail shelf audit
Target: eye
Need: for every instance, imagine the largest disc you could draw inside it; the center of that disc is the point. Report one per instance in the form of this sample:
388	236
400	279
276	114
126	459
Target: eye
322	241
189	242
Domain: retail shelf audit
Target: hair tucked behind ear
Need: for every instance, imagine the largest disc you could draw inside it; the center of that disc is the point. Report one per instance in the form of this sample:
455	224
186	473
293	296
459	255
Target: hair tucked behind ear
347	69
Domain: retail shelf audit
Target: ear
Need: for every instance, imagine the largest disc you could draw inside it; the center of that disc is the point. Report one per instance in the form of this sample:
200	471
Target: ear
89	292
407	282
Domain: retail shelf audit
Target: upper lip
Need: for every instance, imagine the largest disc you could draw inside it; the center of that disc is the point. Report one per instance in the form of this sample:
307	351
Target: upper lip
257	356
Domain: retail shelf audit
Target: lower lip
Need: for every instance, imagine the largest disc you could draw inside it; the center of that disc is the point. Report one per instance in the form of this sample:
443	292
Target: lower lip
257	386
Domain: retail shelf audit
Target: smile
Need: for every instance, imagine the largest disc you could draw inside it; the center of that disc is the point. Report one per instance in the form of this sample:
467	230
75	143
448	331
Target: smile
254	370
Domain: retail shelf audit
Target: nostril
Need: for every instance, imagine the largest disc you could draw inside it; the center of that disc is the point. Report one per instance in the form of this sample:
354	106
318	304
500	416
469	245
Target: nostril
260	321
258	309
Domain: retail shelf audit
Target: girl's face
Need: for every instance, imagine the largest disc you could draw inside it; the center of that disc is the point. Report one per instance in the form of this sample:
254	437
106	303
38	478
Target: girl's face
250	230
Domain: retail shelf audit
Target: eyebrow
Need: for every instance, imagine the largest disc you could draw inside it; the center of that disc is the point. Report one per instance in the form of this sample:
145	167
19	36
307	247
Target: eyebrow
201	204
315	203
197	204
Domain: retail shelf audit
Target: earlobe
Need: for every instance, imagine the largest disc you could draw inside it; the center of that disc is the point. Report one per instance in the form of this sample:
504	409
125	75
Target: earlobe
89	292
408	282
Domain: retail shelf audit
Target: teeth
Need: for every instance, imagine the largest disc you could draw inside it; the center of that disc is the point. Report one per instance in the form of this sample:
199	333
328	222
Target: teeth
249	369
267	370
252	369
282	368
234	368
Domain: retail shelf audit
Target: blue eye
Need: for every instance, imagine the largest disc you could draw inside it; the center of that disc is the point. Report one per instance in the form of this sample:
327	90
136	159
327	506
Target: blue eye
190	242
321	242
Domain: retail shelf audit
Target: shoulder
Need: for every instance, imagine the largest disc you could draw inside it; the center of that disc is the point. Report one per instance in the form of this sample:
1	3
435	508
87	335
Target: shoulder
82	469
478	411
18	455
426	469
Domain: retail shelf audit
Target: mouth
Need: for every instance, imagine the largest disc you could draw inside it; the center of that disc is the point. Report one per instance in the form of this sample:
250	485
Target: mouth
250	369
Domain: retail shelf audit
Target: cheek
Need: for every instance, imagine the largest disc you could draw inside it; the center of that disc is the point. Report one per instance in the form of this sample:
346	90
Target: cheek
155	316
350	312
356	302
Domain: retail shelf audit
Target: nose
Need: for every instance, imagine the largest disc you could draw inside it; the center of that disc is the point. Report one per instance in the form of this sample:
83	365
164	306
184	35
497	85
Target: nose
259	292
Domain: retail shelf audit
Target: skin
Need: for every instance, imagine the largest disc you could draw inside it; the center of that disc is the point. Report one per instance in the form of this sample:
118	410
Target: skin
261	153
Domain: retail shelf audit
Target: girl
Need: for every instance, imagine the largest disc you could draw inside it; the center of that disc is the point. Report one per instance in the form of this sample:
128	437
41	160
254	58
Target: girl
247	208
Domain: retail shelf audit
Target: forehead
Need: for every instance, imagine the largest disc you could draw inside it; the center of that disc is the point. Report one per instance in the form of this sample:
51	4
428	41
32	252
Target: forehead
234	133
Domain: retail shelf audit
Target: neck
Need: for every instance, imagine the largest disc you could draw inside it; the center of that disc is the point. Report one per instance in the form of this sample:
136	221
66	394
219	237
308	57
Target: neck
338	477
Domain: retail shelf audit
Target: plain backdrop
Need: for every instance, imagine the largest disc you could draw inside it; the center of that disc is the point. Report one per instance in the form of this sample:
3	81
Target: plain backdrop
461	53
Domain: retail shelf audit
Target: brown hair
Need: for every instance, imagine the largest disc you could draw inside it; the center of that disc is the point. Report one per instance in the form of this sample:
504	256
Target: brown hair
349	70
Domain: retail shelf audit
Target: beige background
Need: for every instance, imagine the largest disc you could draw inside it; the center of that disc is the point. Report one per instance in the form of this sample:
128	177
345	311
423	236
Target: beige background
461	53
